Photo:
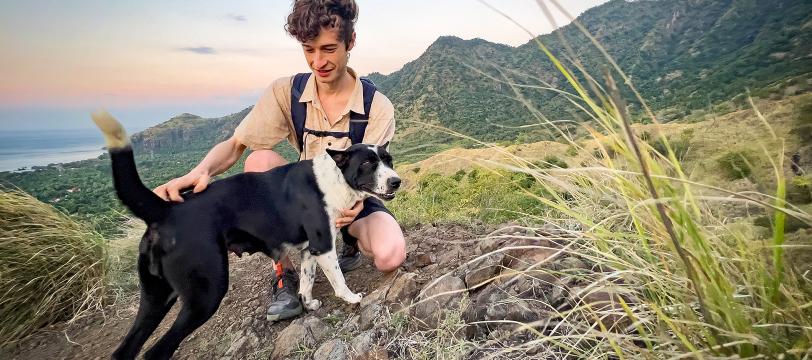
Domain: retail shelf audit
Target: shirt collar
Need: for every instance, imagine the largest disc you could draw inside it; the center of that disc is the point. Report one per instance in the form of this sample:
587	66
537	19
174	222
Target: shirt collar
356	102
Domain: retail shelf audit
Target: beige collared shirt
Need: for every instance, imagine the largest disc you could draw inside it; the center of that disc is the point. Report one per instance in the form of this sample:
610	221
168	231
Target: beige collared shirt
269	122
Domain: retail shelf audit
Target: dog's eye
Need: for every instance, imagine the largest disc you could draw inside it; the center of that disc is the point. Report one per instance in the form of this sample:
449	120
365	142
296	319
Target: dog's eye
366	163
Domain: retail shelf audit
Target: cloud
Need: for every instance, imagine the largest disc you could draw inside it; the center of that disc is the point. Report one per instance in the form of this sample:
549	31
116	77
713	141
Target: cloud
202	50
237	17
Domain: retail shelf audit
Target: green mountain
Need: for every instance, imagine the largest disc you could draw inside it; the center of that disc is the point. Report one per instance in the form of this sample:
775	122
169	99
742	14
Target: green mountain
187	132
680	54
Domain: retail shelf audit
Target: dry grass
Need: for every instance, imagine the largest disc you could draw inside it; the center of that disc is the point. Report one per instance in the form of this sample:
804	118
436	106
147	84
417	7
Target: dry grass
53	268
705	289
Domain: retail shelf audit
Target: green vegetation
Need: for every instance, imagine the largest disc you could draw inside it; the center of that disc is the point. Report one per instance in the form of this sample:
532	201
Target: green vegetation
490	196
697	287
53	268
804	119
685	58
799	190
735	165
679	145
84	189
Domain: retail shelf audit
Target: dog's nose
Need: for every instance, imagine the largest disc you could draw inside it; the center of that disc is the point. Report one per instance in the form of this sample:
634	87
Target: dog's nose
393	183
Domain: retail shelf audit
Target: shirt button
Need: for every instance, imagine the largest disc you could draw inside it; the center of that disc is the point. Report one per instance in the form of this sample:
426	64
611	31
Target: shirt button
329	144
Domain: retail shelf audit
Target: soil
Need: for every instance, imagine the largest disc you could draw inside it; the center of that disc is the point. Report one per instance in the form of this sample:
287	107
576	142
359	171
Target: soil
243	309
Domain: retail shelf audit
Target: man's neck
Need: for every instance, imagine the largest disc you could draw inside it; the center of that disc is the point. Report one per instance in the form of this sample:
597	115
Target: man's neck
344	83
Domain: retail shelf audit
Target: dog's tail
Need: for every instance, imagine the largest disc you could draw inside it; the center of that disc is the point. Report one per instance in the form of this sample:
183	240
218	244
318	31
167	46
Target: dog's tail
133	193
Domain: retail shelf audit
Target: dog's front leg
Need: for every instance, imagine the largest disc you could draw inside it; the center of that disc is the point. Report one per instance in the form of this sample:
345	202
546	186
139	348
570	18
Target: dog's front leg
306	278
329	264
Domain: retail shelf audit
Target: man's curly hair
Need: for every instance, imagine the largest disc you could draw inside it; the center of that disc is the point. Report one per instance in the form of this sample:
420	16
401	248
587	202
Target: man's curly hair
308	17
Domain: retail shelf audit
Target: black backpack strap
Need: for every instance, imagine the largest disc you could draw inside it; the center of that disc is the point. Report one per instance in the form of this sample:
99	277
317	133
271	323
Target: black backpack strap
358	122
298	113
298	110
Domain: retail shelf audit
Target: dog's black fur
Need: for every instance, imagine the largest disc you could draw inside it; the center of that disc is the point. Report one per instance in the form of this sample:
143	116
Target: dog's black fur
184	250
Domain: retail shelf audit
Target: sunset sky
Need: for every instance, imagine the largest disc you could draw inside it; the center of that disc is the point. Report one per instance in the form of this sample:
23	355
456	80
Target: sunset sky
149	60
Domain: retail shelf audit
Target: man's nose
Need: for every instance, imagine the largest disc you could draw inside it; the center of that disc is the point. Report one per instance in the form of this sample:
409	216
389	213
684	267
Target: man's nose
393	183
319	60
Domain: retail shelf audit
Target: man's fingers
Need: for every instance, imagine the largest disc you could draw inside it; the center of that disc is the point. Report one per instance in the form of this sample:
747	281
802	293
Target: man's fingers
161	192
202	183
342	222
174	192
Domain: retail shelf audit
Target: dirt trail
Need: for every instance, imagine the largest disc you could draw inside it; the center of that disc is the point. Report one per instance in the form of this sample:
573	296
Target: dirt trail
242	311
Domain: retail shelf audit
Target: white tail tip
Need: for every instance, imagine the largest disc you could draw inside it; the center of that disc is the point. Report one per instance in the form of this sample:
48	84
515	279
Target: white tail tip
114	134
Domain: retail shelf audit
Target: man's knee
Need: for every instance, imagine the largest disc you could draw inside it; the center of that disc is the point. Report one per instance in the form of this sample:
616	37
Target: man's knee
390	260
380	237
263	160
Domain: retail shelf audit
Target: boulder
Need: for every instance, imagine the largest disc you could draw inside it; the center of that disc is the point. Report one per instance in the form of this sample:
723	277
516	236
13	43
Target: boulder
334	349
290	340
436	298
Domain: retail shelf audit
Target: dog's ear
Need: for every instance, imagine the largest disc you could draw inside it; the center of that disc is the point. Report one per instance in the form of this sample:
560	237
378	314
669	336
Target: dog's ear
340	157
386	146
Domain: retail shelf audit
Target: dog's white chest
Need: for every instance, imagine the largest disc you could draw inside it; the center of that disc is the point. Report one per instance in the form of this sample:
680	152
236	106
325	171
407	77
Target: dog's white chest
337	193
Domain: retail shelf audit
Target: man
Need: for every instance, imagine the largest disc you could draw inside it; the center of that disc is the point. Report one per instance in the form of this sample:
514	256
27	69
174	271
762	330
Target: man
331	94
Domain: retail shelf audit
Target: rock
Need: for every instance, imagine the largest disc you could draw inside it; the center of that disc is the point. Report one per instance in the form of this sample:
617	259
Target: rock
376	296
483	271
570	263
239	345
423	260
334	349
605	301
437	297
290	340
450	257
377	352
317	328
531	252
370	316
363	342
403	290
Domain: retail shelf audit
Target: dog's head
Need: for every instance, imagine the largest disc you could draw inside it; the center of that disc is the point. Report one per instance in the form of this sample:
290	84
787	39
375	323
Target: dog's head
368	168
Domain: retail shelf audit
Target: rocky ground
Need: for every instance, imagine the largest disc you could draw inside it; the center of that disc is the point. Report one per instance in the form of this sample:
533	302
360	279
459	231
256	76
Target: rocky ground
461	293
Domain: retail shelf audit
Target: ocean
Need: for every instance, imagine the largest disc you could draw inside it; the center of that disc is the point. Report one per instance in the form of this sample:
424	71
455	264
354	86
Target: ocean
22	149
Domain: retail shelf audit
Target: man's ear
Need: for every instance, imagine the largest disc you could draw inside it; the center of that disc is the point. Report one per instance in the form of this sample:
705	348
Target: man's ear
351	43
340	157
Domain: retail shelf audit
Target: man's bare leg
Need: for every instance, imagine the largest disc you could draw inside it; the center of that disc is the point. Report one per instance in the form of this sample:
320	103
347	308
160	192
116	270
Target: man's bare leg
380	238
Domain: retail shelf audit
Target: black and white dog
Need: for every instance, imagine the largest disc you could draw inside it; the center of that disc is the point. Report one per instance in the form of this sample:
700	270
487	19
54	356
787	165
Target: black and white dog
184	250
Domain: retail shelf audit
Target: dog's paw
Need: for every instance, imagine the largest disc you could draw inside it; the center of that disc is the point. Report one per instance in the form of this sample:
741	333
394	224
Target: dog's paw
312	305
353	298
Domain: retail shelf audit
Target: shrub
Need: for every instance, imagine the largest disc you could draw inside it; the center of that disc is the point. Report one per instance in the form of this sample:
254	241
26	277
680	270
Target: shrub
679	145
458	175
551	161
45	252
799	190
803	119
735	165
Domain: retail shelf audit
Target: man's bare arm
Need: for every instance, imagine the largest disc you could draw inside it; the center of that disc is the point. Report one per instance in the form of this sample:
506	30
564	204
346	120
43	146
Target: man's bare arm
219	159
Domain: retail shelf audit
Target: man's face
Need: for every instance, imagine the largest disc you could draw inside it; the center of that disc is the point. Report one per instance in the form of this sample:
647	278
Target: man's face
327	55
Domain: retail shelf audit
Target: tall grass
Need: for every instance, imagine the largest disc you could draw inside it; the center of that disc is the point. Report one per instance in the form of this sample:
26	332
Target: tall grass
701	288
51	267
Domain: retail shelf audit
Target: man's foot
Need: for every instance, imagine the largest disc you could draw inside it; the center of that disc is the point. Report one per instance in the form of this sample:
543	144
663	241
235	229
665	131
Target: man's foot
350	258
285	303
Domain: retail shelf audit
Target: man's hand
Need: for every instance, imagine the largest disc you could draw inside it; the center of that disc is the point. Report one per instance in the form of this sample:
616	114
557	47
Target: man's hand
348	215
171	190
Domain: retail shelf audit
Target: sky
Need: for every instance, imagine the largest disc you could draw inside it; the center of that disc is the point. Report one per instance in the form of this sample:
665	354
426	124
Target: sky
147	60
